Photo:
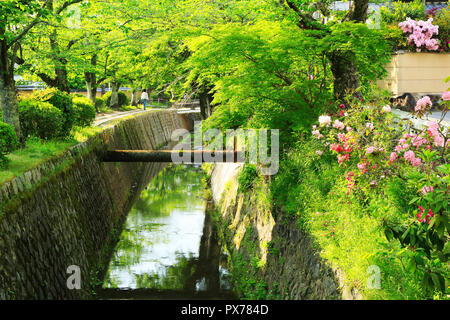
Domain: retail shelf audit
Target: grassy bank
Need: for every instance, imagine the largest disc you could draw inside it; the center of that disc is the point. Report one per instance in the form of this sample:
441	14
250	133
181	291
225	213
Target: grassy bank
38	151
349	230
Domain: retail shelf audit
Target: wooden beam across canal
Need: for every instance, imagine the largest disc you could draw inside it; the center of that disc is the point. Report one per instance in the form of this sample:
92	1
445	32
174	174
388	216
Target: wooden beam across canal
187	156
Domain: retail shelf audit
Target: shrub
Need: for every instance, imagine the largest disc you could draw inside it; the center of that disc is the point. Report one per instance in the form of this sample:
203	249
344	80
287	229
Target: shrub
85	111
77	95
40	119
99	103
420	34
398	11
123	99
442	19
8	142
374	151
63	102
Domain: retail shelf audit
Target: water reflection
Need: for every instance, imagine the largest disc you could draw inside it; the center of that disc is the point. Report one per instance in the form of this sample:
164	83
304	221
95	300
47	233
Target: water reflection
168	242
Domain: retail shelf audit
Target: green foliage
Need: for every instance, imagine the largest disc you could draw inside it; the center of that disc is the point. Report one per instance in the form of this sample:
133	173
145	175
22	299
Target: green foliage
398	11
85	111
41	119
272	74
8	142
349	232
63	102
247	177
442	19
123	99
99	103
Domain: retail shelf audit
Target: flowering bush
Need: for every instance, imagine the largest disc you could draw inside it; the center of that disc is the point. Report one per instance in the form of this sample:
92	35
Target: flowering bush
373	147
421	33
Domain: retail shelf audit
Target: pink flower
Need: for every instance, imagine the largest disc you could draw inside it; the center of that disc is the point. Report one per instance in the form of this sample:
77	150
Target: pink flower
369	126
427	189
338	125
342	158
423	104
393	157
342	137
349	129
370	150
317	134
417	141
433	130
446	96
421	33
409	156
433	125
387	109
416	162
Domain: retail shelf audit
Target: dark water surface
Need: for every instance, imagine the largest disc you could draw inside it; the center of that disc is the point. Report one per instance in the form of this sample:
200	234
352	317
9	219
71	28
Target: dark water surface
169	247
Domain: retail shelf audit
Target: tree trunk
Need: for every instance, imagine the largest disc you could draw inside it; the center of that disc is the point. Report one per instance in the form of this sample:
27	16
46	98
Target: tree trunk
91	91
205	98
134	97
345	75
203	105
114	94
91	82
8	98
60	81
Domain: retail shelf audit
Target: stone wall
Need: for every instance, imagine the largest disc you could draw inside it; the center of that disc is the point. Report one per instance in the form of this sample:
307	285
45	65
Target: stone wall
69	210
268	251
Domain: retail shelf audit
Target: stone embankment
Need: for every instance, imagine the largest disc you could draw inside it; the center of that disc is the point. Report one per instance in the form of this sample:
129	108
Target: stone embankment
272	249
65	214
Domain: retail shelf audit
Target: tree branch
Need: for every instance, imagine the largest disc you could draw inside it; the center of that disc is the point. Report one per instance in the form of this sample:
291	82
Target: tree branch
66	5
36	21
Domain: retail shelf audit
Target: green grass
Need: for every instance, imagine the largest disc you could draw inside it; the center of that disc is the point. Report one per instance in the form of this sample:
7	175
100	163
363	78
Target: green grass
38	151
106	109
128	108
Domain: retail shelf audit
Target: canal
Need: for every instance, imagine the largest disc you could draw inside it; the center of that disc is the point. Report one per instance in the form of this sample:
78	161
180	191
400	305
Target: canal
169	248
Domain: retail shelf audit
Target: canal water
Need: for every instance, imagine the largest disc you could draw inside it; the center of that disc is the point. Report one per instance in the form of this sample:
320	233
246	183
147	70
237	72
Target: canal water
169	247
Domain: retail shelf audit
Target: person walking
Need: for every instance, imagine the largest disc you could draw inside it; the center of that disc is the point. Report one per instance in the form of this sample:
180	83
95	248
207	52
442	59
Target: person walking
144	98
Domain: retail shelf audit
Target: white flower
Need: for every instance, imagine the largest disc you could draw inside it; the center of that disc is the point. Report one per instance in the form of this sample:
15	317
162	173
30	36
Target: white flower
339	125
387	108
325	120
369	126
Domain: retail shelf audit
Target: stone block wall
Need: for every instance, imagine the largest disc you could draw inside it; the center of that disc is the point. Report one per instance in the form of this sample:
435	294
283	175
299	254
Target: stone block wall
69	210
271	247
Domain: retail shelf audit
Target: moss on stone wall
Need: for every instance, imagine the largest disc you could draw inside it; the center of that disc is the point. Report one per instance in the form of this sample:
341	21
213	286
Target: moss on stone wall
270	257
69	211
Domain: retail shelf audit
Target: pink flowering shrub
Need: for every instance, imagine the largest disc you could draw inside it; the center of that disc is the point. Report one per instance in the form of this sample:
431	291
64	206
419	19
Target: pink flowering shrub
421	33
377	149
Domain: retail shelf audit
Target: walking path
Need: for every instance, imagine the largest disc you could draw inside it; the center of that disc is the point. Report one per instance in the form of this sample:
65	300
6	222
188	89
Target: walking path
103	119
422	123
